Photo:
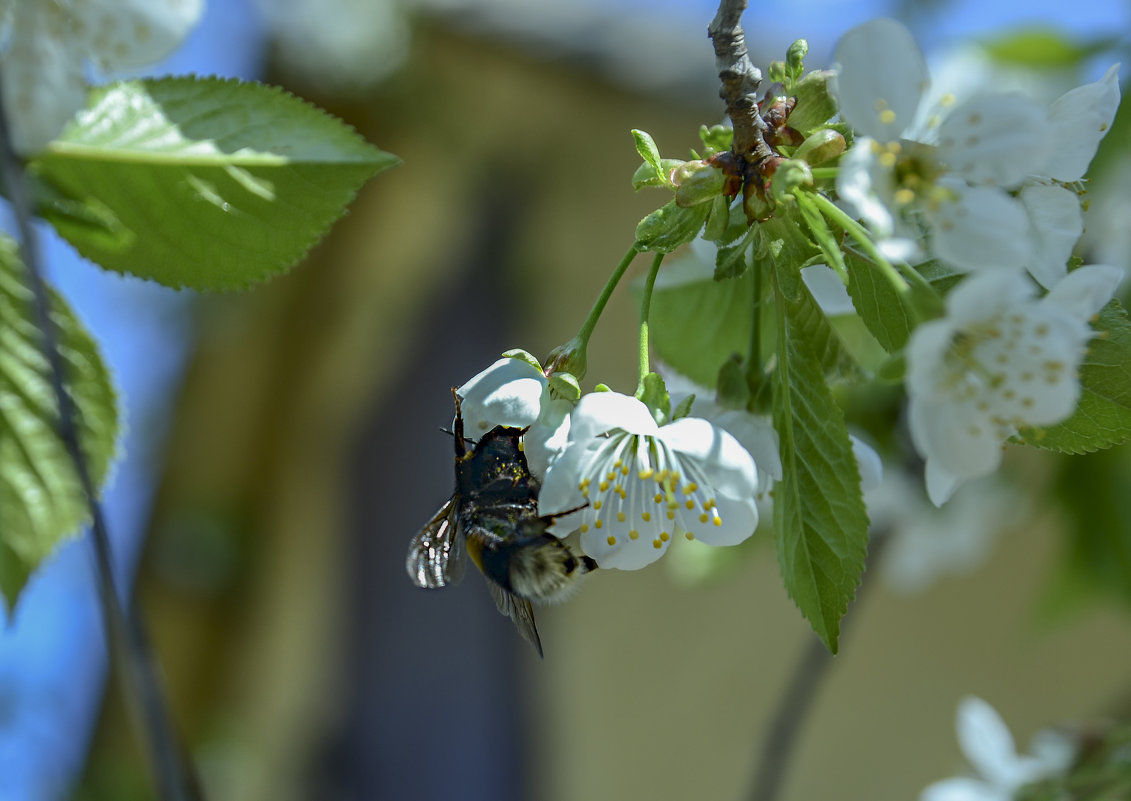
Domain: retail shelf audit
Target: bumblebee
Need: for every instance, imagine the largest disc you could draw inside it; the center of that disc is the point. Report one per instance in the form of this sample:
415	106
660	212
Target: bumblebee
493	517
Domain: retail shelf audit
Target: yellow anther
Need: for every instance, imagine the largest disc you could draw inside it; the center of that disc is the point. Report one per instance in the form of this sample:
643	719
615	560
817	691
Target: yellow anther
583	527
887	116
624	470
634	534
703	518
603	486
609	476
718	520
657	544
597	504
657	497
689	535
618	463
598	523
671	515
690	488
645	516
904	197
947	100
645	474
620	517
887	160
611	540
690	504
665	536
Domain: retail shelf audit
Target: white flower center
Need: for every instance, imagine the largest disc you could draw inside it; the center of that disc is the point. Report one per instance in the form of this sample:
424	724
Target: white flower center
637	485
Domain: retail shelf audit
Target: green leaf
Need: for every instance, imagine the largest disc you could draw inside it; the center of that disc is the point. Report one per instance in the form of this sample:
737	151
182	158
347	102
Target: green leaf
213	183
730	260
877	302
820	523
647	175
696	323
668	227
815	103
1103	415
41	500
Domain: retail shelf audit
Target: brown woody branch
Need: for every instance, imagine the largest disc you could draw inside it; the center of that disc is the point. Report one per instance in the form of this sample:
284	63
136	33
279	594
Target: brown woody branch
740	81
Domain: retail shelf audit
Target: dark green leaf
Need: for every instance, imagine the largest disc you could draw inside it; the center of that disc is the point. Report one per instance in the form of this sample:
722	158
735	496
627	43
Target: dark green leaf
41	500
213	183
820	523
879	305
656	398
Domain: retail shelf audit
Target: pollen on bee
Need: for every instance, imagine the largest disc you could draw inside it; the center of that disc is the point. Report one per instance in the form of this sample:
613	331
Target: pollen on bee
611	540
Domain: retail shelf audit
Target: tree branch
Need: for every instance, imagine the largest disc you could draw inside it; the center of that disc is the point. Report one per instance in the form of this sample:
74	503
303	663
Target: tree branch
740	81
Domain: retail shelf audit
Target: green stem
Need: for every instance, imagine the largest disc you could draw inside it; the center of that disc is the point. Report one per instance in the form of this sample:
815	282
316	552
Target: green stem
820	173
590	323
863	239
645	308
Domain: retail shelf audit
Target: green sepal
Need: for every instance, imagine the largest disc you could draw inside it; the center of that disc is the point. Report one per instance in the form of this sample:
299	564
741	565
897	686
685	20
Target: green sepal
668	227
683	408
565	386
41	499
697	182
820	146
523	356
654	395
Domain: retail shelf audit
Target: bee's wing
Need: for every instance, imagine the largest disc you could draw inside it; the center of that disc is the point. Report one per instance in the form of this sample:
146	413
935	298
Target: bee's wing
436	555
518	610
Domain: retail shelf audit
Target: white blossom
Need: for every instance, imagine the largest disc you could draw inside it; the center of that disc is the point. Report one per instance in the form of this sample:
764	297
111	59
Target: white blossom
1000	360
957	170
508	393
989	748
640	484
50	43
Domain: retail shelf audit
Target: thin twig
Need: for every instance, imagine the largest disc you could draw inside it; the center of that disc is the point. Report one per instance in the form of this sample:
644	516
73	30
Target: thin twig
781	733
740	81
127	641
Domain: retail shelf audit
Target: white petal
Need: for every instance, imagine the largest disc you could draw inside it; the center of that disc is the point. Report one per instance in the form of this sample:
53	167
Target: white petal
1084	291
986	742
600	412
42	79
126	34
1055	224
869	463
626	554
726	464
941	483
960	437
1055	750
757	435
962	789
560	490
982	296
859	185
982	229
1077	121
881	70
508	393
547	438
827	289
739	519
994	139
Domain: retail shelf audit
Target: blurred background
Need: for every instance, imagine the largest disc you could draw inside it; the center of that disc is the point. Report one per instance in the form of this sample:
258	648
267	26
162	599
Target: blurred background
284	445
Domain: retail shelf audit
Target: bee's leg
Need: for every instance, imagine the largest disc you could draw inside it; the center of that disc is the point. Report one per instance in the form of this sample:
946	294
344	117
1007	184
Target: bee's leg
461	443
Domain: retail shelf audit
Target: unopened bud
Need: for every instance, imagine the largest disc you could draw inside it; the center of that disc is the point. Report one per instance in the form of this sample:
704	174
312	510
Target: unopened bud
820	146
697	182
568	357
790	174
795	56
778	72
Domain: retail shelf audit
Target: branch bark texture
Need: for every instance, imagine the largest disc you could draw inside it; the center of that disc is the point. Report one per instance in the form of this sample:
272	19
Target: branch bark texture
740	81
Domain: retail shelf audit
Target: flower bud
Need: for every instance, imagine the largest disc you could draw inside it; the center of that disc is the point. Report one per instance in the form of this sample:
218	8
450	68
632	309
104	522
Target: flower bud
820	146
564	385
790	174
778	72
697	182
795	56
568	357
